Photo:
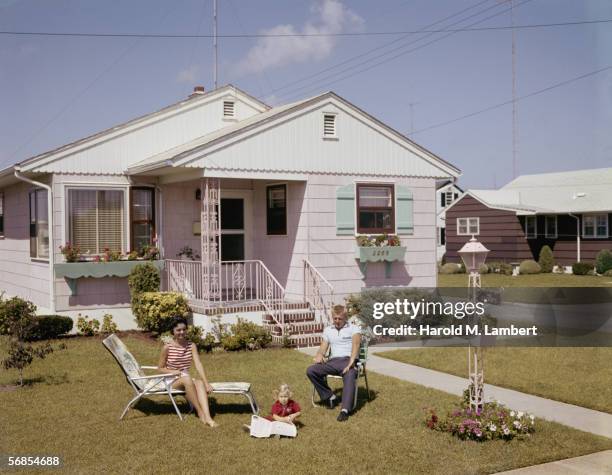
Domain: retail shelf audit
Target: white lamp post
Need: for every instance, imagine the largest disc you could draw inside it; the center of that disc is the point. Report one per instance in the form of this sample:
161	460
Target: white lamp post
474	255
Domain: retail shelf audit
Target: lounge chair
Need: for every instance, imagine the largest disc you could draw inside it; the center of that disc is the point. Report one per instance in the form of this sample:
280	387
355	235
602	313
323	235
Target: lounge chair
161	384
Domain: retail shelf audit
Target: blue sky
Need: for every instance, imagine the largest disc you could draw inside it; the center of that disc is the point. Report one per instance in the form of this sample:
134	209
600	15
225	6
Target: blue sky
57	89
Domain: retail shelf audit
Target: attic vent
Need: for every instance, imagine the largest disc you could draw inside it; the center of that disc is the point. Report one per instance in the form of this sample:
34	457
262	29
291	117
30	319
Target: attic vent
228	109
329	125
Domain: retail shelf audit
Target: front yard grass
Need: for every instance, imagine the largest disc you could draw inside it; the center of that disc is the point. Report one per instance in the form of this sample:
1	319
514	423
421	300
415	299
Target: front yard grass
578	376
74	398
535	280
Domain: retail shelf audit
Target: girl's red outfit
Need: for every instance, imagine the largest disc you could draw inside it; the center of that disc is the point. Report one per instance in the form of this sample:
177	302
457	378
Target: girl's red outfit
283	411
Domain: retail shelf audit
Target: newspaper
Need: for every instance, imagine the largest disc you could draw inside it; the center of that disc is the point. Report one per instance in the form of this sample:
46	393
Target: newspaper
262	427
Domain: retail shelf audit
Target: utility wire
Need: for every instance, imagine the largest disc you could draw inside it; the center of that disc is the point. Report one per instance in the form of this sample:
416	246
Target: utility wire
291	35
327	80
519	98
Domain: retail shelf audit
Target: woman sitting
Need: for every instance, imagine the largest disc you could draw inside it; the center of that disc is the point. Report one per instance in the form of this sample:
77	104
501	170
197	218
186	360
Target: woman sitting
175	359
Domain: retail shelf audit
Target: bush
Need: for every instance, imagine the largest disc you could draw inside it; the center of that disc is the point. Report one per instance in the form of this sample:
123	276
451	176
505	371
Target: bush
608	273
603	262
483	269
17	317
529	267
108	325
546	259
154	311
450	268
144	278
87	327
462	269
203	343
245	335
50	326
582	268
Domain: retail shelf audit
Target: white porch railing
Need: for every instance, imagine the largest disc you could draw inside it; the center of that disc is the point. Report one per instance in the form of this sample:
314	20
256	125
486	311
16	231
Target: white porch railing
318	292
239	281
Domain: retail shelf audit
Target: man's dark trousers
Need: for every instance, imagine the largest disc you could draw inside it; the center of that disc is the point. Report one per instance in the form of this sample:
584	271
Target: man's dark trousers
317	374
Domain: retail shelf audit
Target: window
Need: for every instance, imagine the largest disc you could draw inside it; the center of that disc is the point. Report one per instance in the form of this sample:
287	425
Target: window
531	227
39	225
1	214
441	236
550	227
276	204
329	125
143	217
232	229
96	220
228	109
375	209
468	226
595	226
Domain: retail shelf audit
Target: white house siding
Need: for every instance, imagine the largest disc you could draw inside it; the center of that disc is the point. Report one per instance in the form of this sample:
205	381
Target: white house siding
113	155
20	275
311	223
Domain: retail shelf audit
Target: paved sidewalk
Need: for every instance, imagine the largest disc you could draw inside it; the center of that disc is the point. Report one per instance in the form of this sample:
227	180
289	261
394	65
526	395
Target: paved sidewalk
599	463
577	417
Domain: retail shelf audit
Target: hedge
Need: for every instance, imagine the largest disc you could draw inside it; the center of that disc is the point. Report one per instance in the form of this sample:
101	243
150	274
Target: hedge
50	326
582	268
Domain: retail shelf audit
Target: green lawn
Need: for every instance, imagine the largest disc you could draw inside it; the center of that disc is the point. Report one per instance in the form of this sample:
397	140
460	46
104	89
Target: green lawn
578	376
74	398
537	280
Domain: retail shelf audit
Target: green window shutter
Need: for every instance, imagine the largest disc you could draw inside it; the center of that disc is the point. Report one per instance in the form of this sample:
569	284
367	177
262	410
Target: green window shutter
404	215
345	210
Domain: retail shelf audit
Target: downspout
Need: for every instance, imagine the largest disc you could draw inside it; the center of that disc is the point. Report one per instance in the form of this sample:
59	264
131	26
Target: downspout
577	235
19	176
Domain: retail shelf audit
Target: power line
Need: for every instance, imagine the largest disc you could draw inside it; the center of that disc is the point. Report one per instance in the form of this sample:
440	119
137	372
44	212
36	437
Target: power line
327	80
290	35
519	98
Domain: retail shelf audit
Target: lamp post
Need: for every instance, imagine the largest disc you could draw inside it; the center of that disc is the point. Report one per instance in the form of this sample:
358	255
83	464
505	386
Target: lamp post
474	255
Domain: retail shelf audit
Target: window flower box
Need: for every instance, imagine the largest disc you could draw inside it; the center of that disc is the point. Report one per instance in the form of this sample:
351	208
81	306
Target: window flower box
386	254
72	271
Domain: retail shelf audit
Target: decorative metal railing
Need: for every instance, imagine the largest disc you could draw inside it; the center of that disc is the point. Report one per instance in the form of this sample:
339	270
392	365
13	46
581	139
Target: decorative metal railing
239	281
318	292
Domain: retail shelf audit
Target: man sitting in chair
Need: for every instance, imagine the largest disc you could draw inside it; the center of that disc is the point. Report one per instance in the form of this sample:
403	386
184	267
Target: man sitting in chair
343	340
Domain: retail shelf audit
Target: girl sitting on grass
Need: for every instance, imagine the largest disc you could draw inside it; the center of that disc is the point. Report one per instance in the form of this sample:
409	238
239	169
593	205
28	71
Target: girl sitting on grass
284	409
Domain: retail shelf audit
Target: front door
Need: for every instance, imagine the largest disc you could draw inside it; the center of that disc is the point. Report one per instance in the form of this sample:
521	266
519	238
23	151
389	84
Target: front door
235	225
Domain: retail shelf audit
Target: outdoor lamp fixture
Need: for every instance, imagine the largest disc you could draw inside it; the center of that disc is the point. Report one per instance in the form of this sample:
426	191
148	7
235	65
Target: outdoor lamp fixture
474	255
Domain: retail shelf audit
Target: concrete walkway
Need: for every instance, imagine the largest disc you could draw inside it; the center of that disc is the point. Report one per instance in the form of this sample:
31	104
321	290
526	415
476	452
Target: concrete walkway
587	420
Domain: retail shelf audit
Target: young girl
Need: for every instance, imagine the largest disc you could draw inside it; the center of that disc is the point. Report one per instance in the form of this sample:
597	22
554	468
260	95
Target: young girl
284	409
175	359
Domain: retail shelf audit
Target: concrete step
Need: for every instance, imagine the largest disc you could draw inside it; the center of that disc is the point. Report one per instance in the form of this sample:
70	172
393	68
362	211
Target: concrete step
299	341
299	328
293	316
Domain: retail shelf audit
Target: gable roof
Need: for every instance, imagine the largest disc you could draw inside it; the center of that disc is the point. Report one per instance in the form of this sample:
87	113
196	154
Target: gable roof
189	153
580	191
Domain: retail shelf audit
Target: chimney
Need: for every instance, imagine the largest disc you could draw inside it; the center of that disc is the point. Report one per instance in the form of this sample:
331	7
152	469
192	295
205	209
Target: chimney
197	91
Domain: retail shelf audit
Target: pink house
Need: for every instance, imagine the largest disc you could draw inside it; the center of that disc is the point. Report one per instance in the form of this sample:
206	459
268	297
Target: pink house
296	184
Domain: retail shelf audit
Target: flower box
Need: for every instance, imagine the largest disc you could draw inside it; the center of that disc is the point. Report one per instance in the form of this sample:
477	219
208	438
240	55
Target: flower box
386	254
78	270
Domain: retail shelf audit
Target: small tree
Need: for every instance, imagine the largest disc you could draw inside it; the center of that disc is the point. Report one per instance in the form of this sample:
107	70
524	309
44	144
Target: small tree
18	318
546	260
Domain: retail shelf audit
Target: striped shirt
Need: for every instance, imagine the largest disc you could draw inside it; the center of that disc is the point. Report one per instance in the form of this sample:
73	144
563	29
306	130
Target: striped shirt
179	357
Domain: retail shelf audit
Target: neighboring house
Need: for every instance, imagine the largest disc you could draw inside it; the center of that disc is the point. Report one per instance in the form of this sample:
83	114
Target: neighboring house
570	211
446	194
296	184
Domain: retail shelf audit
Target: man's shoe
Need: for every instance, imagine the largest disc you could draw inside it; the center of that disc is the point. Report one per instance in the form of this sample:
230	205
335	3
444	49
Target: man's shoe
332	402
343	416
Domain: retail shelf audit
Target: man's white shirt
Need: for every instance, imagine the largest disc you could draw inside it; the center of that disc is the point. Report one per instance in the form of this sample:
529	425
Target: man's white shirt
340	341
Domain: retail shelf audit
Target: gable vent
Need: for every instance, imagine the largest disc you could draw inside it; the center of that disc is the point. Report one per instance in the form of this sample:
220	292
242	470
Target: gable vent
228	109
329	125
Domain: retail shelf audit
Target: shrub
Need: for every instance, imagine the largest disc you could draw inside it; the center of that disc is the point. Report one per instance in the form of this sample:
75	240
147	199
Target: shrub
449	268
500	268
245	335
608	273
603	262
87	327
462	269
483	269
108	325
50	326
17	317
546	259
143	278
582	268
20	356
529	267
154	311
